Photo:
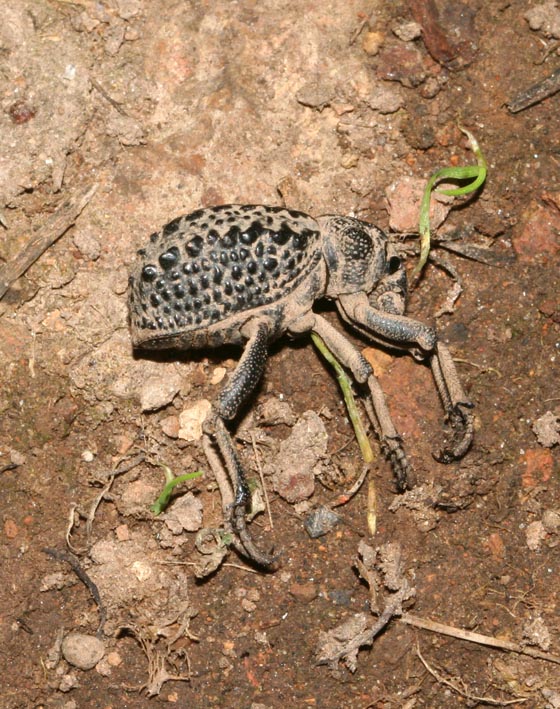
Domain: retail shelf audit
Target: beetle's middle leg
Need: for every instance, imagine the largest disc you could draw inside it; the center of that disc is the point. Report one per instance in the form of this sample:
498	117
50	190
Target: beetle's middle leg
376	405
238	388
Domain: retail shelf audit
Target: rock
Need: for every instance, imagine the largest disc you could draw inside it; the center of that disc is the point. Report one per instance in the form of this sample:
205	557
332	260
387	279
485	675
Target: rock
217	375
68	682
273	412
407	31
158	391
545	18
536	633
551	521
170	426
137	497
320	521
402	63
247	605
16	457
552	696
385	100
547	429
419	134
191	420
185	514
304	592
82	651
536	238
539	466
404	197
535	534
372	42
55	581
87	244
128	9
299	458
316	94
450	34
122	533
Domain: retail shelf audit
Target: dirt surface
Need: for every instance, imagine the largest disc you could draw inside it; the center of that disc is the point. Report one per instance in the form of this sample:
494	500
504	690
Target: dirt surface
168	106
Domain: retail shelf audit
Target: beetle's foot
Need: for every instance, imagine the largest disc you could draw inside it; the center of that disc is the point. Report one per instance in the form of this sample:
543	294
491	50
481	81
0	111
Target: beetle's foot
394	451
462	423
268	562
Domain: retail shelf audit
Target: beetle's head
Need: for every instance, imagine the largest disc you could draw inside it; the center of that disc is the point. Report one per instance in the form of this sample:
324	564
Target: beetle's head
390	292
360	258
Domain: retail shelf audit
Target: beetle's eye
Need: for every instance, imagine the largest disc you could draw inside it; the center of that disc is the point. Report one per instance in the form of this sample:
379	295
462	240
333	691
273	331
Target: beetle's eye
393	265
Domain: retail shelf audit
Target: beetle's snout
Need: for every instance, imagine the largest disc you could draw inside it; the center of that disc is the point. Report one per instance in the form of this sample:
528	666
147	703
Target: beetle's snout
390	293
390	301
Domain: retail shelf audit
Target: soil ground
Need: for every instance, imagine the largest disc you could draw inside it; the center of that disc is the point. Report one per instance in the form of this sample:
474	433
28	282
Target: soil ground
168	106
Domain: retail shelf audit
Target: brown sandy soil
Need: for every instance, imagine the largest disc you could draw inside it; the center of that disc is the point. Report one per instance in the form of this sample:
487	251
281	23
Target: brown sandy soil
170	105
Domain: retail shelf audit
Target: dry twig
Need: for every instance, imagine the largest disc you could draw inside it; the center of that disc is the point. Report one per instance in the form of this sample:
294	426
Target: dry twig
536	93
54	227
478	638
461	689
261	476
84	578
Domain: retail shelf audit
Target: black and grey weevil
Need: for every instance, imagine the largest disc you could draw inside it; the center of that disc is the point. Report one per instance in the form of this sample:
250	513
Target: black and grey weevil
247	274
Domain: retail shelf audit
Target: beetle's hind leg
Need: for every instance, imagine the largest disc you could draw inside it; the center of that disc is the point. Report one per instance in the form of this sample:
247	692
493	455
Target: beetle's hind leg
240	385
376	406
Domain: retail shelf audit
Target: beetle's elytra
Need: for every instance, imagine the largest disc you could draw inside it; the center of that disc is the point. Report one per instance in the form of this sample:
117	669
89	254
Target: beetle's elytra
245	275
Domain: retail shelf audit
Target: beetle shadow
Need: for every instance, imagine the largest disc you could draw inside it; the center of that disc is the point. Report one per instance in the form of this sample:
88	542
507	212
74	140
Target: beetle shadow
217	355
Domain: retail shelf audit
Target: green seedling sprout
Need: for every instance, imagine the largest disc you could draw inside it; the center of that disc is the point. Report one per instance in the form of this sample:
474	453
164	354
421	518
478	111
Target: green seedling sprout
351	406
475	173
171	482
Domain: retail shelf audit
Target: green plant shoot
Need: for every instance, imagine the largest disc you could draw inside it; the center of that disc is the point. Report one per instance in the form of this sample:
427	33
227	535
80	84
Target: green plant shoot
351	406
475	173
171	482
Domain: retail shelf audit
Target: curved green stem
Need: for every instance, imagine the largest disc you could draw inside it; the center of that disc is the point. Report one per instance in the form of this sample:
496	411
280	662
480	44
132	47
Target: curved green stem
171	482
351	406
475	173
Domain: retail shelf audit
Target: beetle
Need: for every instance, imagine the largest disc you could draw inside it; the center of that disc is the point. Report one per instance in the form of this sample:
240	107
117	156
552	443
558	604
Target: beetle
248	274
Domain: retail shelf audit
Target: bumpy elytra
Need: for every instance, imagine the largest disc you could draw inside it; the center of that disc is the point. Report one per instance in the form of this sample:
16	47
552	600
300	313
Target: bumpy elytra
247	274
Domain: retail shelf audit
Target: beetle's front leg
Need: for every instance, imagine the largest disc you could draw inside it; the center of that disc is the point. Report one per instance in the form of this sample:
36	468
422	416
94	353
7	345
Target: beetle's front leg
240	385
421	341
455	402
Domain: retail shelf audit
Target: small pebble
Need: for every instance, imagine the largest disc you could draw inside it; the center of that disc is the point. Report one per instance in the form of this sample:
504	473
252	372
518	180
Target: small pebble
17	458
371	43
170	426
114	659
82	651
304	592
217	375
191	420
68	682
122	533
408	31
185	514
157	392
320	521
535	534
10	529
551	521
